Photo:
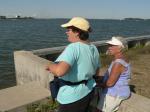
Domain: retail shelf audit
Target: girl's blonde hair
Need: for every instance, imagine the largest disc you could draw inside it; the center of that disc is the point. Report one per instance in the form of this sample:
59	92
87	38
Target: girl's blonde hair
124	42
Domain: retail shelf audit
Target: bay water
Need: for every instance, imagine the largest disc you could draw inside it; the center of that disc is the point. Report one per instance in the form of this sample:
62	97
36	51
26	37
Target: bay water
33	34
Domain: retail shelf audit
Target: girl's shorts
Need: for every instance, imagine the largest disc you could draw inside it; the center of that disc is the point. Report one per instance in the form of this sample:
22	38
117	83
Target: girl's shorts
109	103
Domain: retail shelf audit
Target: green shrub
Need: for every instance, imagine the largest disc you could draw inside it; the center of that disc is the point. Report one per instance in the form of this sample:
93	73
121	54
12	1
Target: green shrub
48	106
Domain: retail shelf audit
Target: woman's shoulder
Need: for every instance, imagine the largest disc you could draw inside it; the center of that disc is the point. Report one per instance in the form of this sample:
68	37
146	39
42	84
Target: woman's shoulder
76	44
123	62
73	44
72	47
83	45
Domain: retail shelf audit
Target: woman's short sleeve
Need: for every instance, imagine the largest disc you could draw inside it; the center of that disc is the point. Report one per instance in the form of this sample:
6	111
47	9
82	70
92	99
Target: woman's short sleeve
68	55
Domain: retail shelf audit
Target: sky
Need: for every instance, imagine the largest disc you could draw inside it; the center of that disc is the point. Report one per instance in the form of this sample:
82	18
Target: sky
92	9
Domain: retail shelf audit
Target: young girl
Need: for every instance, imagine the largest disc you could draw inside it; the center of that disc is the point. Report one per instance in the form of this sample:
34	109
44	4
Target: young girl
115	83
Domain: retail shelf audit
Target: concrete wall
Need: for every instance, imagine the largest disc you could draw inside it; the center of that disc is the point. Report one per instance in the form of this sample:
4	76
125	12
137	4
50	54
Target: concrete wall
136	103
15	99
30	67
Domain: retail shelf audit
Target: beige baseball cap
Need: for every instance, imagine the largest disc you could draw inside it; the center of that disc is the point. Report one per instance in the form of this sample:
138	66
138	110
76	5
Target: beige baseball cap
78	22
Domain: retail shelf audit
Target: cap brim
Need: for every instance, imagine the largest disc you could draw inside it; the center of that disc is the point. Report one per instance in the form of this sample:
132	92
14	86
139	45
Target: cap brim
65	25
110	42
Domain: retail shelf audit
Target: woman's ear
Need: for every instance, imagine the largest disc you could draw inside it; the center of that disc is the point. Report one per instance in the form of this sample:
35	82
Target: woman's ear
76	34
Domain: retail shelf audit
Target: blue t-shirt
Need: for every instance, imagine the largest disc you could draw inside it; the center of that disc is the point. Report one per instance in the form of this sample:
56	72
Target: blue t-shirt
84	61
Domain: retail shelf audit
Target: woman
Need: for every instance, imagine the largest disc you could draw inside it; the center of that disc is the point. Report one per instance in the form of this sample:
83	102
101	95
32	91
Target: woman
115	83
76	64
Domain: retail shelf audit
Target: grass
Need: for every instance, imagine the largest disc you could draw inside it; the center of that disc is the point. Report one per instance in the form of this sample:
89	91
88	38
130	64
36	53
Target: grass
46	106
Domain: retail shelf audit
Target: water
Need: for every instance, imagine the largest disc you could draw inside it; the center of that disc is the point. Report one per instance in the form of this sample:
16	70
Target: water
35	34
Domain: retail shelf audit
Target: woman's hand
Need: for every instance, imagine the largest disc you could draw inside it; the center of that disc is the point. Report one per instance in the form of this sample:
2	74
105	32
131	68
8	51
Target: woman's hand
58	69
47	68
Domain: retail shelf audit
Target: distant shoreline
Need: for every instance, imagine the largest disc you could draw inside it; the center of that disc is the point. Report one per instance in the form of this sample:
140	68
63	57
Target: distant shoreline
19	17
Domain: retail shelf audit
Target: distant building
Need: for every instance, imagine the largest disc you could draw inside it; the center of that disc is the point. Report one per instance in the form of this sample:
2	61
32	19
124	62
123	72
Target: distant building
2	17
134	19
18	17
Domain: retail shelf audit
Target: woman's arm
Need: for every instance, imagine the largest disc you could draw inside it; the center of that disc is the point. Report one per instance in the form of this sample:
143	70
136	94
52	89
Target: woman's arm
116	70
59	69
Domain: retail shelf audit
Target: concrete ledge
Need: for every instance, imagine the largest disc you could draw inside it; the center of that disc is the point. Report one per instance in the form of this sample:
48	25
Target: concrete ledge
18	96
30	67
136	103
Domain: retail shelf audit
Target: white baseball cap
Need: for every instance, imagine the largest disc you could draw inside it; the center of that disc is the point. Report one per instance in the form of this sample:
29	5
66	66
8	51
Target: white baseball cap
116	41
78	22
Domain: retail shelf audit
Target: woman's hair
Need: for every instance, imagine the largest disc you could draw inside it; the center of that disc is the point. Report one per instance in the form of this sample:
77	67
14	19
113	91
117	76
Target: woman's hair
83	35
124	42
